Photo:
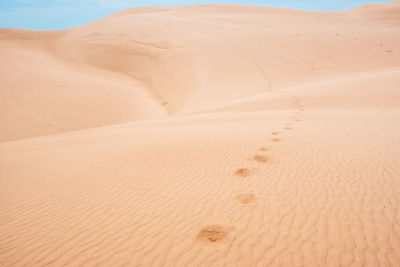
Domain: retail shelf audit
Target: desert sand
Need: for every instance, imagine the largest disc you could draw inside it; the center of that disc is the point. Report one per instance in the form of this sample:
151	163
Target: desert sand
210	135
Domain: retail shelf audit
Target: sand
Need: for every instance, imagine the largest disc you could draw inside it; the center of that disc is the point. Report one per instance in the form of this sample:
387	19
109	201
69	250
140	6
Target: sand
211	135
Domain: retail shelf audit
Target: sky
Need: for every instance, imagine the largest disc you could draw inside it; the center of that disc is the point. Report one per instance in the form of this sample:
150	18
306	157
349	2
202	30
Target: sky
61	14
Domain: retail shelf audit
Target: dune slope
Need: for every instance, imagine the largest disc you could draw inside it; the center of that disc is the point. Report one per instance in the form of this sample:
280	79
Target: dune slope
146	63
213	135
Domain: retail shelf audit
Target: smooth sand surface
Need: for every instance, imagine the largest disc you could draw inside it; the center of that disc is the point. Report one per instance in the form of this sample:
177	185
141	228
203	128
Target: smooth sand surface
212	135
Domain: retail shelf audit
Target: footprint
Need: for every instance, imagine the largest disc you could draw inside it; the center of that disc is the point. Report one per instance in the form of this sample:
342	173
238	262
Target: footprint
245	198
274	133
260	158
242	172
263	148
214	234
276	140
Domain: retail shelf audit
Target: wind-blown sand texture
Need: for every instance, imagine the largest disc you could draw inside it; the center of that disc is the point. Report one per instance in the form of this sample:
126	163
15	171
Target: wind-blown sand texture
211	135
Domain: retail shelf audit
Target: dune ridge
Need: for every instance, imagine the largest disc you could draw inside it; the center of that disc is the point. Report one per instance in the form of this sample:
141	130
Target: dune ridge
210	135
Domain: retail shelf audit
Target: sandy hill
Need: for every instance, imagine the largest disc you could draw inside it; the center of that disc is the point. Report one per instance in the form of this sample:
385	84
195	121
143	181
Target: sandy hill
211	135
146	63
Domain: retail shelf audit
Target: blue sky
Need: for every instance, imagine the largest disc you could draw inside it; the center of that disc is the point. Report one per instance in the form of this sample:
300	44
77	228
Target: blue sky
61	14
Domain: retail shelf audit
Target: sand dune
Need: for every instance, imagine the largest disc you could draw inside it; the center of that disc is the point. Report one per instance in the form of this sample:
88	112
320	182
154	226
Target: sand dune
212	135
146	63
